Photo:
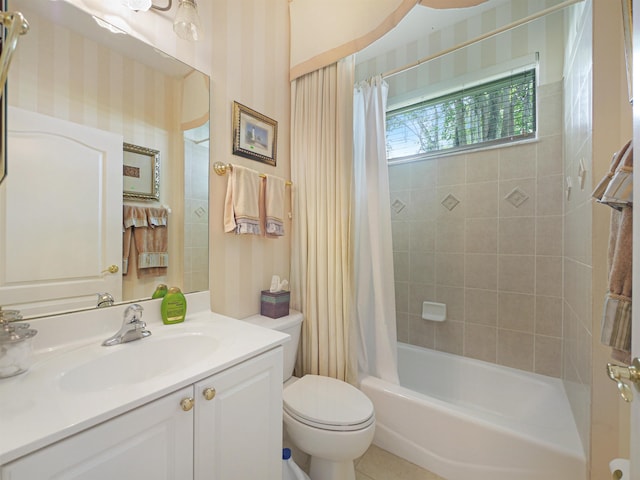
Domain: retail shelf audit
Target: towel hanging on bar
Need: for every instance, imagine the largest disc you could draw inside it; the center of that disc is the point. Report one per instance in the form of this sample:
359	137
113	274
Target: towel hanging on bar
274	206
615	190
241	205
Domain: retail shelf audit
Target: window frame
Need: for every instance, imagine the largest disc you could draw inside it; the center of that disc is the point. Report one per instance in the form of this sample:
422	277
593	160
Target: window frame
528	73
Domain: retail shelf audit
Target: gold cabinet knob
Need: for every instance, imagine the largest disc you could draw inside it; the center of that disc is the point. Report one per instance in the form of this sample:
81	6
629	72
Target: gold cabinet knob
112	269
187	403
209	393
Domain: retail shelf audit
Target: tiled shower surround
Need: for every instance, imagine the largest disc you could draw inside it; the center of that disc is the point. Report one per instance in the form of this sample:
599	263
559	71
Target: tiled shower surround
482	233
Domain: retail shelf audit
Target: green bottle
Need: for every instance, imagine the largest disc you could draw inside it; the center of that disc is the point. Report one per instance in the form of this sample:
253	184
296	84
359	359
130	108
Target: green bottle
161	291
174	306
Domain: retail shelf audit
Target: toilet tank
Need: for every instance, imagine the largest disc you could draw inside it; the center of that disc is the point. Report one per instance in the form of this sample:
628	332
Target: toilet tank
290	324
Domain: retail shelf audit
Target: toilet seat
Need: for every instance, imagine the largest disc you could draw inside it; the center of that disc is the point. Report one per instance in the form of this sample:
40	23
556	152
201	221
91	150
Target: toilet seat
328	404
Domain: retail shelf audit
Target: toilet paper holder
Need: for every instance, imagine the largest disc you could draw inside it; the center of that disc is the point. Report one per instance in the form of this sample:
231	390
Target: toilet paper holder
619	468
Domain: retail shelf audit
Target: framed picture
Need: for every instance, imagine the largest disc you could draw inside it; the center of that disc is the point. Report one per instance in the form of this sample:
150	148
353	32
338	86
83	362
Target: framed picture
255	136
627	26
140	172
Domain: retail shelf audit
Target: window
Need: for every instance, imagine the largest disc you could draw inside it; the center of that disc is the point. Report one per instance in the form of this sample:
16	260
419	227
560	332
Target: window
495	112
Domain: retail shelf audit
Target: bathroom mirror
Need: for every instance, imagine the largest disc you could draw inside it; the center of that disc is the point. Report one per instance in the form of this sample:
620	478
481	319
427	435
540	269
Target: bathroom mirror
61	226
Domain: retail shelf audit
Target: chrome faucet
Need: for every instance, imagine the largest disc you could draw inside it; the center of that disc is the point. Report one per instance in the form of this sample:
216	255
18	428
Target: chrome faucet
133	328
105	300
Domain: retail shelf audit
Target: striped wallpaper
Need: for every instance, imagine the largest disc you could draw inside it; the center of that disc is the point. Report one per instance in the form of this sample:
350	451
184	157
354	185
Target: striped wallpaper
250	64
491	56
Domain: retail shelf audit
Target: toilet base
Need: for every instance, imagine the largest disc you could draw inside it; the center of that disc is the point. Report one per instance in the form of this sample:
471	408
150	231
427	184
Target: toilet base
322	469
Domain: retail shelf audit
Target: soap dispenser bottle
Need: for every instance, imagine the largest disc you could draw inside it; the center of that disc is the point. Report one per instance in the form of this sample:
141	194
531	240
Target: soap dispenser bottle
173	307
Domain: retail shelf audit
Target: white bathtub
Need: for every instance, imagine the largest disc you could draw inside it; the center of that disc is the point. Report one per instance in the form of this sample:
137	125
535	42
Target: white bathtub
466	419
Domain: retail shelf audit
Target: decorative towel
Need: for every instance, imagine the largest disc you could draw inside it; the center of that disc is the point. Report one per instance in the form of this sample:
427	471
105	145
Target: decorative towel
131	217
152	243
604	183
274	206
241	205
615	190
619	191
616	320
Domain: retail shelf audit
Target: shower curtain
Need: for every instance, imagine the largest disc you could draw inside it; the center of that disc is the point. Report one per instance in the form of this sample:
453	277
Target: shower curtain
321	261
375	310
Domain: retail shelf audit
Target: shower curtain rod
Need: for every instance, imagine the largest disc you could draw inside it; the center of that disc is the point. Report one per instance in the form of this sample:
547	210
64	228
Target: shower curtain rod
509	26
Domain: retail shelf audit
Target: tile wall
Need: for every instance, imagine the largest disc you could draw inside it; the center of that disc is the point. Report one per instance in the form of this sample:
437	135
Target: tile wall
578	264
482	232
196	218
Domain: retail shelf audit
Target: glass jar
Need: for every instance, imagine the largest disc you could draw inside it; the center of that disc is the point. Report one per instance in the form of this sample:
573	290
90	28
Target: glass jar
15	344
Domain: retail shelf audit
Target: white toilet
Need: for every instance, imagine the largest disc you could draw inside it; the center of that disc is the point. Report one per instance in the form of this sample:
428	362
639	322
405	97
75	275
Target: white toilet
329	419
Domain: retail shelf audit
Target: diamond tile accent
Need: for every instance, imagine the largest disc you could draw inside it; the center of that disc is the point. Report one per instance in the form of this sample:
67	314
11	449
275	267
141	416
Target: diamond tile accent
398	205
517	197
450	202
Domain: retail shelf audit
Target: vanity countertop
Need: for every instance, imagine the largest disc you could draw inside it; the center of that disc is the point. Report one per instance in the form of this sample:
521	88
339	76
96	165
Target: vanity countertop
42	405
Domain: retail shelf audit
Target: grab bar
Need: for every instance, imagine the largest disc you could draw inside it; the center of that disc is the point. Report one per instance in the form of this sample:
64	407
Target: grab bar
16	25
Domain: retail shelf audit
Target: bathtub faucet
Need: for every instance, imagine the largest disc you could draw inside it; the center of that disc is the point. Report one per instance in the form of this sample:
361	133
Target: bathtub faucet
133	328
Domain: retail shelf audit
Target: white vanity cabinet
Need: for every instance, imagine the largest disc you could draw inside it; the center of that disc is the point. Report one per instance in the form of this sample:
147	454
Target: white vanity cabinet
225	427
152	441
239	431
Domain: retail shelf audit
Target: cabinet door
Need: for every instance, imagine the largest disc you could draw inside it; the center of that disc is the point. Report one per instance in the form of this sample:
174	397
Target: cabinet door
151	442
238	433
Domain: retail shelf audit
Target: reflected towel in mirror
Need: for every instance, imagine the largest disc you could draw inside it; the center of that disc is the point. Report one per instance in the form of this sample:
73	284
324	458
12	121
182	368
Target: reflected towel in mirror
148	227
132	216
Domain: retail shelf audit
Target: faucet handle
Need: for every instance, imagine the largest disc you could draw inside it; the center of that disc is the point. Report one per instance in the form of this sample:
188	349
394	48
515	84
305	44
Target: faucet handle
133	314
105	300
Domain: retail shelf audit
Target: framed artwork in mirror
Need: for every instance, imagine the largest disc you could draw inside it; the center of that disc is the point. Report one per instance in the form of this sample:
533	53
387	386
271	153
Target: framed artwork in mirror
627	26
255	136
140	172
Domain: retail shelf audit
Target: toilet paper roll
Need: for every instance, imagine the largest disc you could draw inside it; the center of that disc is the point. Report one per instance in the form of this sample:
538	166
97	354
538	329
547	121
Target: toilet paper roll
619	468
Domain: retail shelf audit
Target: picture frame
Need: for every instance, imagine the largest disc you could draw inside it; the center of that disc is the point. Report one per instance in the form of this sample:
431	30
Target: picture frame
140	172
255	135
627	27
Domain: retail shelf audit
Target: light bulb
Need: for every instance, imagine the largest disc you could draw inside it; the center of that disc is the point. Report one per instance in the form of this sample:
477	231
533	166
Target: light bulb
187	22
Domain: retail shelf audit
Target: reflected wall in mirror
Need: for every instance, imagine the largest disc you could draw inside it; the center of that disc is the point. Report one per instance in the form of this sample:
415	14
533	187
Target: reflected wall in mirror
79	79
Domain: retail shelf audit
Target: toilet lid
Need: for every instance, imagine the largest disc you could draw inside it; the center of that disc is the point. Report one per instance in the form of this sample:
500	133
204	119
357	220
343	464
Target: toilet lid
328	403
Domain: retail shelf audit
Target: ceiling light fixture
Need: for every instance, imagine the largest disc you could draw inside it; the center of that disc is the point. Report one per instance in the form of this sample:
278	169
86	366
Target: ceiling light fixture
186	24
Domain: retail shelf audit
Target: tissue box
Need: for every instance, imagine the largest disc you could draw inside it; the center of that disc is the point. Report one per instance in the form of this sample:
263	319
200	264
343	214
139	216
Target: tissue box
274	304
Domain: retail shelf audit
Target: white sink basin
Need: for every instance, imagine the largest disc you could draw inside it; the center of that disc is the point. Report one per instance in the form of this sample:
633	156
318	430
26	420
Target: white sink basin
134	362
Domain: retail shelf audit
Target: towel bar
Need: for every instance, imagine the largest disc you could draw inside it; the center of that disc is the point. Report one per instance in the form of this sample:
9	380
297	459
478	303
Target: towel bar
222	168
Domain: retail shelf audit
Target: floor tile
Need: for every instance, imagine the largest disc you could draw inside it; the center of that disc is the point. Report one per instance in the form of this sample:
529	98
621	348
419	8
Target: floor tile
378	464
